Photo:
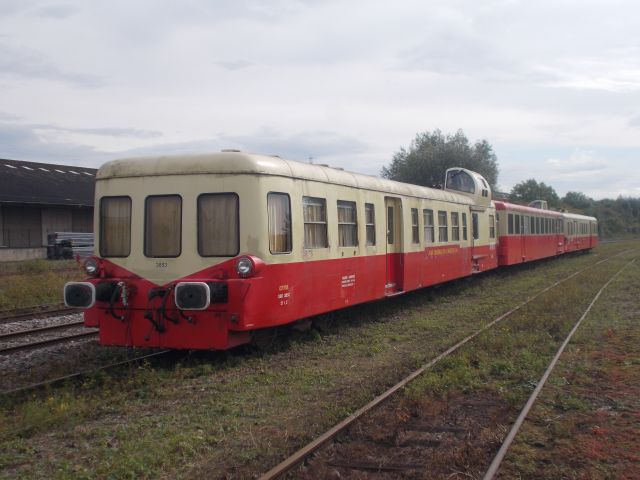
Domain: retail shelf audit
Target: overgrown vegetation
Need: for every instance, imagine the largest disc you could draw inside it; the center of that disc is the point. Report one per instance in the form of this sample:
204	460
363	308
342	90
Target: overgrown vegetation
35	282
234	414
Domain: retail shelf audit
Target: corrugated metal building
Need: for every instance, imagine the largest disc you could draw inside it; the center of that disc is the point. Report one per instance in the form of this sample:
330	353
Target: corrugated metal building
41	198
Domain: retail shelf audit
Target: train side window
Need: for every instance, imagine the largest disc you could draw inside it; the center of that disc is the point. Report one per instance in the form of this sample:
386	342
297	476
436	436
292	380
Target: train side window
443	227
279	212
464	226
347	224
492	226
415	226
474	226
218	225
162	226
538	227
532	224
115	226
455	227
511	224
517	223
370	223
315	222
429	228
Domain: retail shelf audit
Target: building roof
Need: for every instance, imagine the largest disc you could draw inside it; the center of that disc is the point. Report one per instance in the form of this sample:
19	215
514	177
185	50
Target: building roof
46	183
233	162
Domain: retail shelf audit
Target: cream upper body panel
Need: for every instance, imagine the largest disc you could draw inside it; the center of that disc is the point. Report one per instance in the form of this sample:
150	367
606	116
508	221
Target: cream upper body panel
227	163
252	178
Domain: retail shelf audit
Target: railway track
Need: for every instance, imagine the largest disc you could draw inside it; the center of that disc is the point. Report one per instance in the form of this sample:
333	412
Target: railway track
84	373
384	465
25	313
21	347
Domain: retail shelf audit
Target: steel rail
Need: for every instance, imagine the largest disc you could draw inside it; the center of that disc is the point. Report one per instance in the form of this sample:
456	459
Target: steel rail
28	314
48	328
48	383
300	455
43	343
497	460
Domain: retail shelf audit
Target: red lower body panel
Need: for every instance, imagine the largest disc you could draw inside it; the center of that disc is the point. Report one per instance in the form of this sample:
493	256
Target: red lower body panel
277	295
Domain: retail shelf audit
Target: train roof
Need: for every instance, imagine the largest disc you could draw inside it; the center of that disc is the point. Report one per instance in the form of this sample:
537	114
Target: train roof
531	211
525	209
576	216
244	163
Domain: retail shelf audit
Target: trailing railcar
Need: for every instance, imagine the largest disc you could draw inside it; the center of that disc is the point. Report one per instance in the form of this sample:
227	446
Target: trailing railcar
528	233
580	232
201	251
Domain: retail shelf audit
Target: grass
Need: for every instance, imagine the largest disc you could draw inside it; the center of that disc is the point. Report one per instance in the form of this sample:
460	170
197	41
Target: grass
35	282
234	414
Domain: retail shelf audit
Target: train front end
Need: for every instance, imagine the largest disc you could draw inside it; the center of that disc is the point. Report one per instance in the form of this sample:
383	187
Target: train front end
170	268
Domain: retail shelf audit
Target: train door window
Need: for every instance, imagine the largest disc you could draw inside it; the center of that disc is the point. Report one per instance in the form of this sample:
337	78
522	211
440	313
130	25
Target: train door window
517	223
390	225
315	222
443	227
538	225
511	224
464	226
370	223
115	226
429	228
492	226
162	226
474	226
415	226
575	228
279	212
347	224
218	225
532	224
455	226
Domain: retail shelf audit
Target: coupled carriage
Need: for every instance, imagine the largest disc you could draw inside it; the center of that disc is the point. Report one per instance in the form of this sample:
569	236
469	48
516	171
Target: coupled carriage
203	251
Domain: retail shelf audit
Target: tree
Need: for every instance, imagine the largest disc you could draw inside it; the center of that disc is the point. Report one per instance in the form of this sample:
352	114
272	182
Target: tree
530	190
577	200
432	153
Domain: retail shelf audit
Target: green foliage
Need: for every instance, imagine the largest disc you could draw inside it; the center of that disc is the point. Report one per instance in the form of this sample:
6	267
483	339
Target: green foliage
530	190
577	200
432	153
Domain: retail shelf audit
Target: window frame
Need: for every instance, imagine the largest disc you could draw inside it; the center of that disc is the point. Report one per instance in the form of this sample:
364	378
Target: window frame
455	227
354	224
492	226
290	251
144	225
372	225
415	227
101	238
445	227
325	223
429	239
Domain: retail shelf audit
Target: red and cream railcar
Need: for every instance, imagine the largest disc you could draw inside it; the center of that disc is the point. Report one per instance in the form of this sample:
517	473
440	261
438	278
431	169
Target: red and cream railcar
580	232
201	251
528	233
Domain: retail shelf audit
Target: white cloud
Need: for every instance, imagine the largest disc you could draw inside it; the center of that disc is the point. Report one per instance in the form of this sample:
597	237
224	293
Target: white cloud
348	82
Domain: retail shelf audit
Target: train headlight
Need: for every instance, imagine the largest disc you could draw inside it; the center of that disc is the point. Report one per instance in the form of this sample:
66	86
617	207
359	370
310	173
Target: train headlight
192	296
92	267
244	266
79	294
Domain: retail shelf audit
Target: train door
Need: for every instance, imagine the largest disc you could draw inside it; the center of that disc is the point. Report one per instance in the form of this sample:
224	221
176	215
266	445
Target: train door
475	241
524	228
393	213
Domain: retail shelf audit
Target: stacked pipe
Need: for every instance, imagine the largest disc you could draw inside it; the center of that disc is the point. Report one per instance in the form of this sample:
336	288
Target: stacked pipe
69	245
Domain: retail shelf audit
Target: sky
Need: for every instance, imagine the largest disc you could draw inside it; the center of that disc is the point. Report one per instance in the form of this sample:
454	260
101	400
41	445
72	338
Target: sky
553	86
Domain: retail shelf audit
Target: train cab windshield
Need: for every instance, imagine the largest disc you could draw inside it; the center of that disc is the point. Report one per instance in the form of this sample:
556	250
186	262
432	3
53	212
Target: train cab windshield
461	181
